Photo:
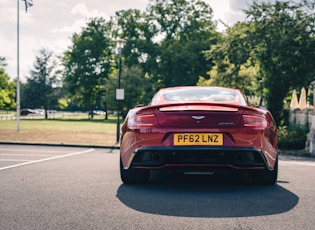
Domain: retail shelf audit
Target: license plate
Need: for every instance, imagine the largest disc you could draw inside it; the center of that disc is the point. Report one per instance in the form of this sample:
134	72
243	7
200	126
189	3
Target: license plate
198	139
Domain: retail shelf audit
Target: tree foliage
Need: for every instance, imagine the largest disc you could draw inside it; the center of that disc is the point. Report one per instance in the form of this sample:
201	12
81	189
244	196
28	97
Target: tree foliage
167	40
88	62
140	53
40	89
284	45
276	46
7	88
137	87
186	29
141	48
233	65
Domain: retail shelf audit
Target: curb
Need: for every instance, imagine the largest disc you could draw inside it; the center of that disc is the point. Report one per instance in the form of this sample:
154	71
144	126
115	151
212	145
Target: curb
61	145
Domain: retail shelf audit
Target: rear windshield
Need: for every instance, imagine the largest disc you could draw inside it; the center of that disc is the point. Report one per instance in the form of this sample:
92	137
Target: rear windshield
216	95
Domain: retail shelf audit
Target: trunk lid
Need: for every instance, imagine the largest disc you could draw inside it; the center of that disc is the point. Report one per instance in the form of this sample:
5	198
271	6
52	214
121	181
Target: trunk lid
199	115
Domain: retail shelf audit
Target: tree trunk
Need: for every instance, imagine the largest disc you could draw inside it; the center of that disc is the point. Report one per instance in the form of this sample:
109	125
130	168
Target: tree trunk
106	112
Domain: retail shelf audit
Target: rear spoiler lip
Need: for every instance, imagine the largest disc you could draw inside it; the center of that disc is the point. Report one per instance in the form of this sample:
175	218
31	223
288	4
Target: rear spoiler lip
148	107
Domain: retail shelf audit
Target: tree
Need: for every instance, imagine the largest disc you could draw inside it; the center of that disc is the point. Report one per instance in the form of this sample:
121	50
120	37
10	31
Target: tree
7	88
137	87
140	49
88	62
167	40
276	44
283	43
186	30
233	62
226	74
39	90
140	53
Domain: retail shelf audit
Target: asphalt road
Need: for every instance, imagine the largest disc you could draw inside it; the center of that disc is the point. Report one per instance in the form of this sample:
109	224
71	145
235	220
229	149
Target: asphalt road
80	188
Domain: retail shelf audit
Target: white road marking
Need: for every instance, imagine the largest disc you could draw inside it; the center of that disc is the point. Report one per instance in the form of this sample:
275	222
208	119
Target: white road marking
14	160
308	163
31	150
46	159
28	155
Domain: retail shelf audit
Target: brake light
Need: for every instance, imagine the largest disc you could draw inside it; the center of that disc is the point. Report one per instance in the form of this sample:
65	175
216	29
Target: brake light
142	121
252	121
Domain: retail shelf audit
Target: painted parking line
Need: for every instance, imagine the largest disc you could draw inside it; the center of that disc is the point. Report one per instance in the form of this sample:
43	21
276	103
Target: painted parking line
31	150
46	159
297	163
28	155
13	160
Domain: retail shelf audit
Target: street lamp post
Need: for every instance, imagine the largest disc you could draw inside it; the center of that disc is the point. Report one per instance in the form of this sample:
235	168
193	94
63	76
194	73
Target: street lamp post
119	92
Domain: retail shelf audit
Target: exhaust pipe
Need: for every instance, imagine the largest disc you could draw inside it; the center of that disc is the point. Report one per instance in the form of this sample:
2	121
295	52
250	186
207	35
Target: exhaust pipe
247	157
156	157
239	157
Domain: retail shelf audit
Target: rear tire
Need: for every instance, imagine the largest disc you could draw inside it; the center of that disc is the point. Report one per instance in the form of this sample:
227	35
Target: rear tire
134	176
266	177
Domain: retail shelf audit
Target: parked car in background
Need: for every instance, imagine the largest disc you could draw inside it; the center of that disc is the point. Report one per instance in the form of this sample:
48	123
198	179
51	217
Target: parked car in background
97	112
25	112
52	111
39	111
194	129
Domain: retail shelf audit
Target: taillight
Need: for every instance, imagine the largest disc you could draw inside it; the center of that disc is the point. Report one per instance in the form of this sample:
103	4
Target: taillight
142	120
252	121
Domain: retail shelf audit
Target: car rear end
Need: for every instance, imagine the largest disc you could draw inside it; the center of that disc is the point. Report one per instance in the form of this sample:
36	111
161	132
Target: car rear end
199	136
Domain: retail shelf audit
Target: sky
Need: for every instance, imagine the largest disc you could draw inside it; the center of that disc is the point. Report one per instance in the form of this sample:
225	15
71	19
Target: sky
51	24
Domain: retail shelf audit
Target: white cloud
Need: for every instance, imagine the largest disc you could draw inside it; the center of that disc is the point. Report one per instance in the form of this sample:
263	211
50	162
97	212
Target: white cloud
228	11
84	13
240	5
75	27
50	24
81	9
8	14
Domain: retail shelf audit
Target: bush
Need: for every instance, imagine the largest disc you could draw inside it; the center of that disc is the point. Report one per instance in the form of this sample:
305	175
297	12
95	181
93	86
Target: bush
292	137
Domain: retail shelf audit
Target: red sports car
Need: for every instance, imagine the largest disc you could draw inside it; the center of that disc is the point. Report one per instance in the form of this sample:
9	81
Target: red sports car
199	129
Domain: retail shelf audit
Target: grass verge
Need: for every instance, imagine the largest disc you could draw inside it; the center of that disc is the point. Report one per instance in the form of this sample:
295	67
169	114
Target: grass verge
68	130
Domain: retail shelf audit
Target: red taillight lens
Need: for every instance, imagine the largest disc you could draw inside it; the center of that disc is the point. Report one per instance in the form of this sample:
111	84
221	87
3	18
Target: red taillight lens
142	121
252	121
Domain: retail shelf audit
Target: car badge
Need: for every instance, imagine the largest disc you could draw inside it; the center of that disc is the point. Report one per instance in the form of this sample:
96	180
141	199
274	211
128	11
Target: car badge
198	117
226	123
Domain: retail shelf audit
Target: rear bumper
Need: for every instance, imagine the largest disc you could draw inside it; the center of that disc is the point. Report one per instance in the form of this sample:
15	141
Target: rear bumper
238	158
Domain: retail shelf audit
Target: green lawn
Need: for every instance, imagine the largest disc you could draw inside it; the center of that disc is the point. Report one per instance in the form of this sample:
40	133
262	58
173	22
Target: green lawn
70	122
66	130
60	124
